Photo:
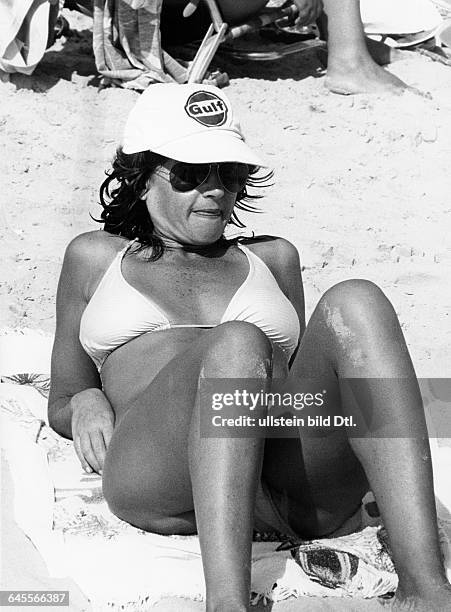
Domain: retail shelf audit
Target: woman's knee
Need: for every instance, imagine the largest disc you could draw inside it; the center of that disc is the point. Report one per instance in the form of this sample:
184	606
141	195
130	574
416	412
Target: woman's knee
237	349
355	301
236	336
238	340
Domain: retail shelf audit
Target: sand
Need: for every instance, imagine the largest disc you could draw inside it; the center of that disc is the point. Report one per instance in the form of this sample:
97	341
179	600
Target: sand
362	183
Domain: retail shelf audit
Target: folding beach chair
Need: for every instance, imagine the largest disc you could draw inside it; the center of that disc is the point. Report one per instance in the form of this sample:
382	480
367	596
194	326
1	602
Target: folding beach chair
220	32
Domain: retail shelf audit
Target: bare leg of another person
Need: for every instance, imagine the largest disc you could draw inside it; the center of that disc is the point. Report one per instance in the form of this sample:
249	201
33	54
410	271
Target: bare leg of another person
350	67
352	59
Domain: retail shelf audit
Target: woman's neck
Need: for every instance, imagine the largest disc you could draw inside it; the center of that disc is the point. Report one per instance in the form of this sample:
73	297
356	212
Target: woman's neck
201	249
205	250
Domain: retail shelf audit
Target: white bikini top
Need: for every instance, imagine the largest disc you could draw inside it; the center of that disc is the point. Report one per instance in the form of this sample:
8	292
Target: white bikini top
117	312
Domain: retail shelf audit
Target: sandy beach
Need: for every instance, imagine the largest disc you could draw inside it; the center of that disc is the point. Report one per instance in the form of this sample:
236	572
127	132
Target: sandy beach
362	183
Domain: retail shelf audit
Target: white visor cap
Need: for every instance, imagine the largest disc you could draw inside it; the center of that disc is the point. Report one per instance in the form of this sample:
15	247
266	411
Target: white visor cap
191	123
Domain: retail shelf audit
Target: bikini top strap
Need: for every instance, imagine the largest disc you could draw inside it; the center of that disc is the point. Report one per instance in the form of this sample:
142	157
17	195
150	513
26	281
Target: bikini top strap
251	258
243	248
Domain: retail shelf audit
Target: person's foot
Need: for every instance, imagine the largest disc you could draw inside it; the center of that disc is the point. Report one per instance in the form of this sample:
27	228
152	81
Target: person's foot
365	77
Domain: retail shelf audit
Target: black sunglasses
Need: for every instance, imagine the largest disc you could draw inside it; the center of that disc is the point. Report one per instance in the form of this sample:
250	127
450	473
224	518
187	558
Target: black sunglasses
186	177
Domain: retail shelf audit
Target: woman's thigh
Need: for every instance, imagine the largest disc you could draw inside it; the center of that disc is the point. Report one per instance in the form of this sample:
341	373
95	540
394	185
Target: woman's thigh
146	465
146	471
129	371
316	477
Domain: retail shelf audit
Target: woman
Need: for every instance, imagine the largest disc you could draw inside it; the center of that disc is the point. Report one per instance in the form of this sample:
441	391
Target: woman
160	300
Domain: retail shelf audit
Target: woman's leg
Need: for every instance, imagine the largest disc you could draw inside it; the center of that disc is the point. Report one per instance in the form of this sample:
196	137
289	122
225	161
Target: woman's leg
350	67
158	468
354	334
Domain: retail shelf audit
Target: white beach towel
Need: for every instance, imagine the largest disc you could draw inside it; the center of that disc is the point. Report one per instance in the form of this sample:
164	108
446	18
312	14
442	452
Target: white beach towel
62	510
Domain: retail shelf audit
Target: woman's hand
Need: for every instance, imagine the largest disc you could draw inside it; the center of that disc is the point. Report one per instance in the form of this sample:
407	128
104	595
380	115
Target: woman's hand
92	428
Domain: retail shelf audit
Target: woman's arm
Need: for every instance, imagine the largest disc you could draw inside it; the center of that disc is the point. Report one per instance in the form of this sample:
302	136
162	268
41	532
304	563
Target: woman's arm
77	407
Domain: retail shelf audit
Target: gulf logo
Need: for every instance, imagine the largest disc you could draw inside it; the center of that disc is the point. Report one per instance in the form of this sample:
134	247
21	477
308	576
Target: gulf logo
206	108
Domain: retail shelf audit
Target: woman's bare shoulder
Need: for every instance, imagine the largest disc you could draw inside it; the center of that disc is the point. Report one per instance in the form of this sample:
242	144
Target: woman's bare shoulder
276	252
87	258
96	248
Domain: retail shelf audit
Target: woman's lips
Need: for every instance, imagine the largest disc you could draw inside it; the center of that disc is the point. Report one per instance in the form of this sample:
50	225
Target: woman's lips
208	213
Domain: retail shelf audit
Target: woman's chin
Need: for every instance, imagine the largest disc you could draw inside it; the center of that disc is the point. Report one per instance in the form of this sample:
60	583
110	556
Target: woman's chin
204	242
207	232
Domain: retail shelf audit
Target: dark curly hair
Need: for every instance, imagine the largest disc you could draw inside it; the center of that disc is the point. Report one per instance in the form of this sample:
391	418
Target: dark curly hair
124	212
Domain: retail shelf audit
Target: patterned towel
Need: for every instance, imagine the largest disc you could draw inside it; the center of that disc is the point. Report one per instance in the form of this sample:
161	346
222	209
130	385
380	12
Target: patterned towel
127	46
118	566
